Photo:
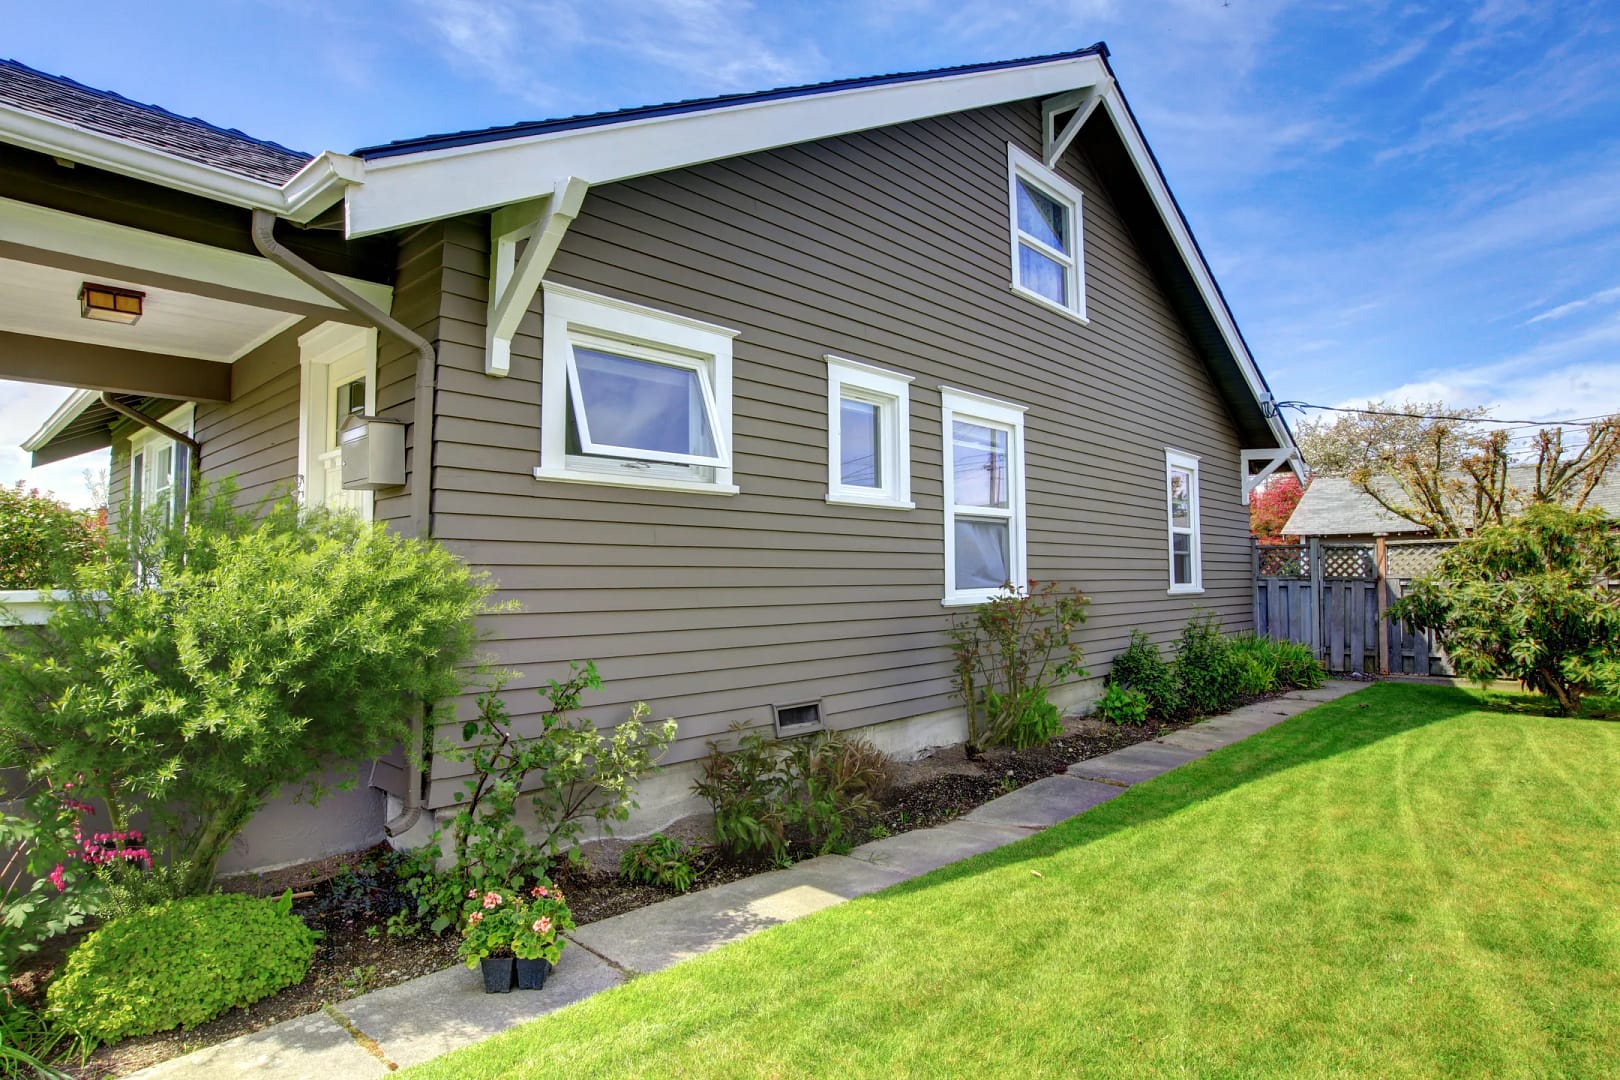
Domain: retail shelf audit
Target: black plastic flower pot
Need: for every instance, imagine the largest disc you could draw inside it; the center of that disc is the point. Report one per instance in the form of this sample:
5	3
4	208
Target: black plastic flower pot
531	974
499	974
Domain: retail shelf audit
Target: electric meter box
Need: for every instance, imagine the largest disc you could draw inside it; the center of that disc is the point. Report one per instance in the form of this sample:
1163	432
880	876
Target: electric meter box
373	451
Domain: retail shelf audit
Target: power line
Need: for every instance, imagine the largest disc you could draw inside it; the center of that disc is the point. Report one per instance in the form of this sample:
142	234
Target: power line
1587	421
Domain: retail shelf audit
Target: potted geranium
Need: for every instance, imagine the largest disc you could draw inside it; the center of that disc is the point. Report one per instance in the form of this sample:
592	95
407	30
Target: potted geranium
487	936
540	921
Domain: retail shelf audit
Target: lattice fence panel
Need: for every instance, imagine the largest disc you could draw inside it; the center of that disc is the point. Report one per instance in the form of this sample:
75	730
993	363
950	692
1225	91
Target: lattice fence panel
1285	560
1413	559
1357	562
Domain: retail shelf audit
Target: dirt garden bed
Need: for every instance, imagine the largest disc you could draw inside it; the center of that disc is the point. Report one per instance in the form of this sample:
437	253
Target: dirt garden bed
354	895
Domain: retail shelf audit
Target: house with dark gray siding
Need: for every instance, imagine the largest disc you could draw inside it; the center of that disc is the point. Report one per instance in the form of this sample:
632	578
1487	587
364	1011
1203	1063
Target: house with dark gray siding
743	398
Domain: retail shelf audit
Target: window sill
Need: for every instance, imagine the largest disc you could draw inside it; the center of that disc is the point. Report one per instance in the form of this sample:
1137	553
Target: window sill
652	483
1185	590
879	504
970	600
1077	316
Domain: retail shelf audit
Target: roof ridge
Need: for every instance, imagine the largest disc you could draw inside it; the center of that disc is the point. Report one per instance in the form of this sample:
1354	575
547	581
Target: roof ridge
501	132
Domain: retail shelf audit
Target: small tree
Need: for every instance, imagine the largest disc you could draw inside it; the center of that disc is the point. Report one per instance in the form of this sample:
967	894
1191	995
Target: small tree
42	540
1531	600
200	669
1271	506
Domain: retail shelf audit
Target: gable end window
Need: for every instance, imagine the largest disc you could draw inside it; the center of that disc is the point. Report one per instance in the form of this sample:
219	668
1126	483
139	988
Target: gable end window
1186	548
868	435
1048	261
984	497
634	396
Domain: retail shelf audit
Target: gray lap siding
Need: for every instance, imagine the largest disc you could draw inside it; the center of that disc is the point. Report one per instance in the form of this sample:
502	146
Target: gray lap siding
889	247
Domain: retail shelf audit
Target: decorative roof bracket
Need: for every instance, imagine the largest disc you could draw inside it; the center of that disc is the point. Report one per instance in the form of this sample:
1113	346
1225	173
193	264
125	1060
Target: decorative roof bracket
1078	102
1269	460
514	279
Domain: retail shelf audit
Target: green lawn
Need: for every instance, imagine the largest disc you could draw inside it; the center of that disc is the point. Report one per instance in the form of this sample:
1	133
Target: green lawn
1396	884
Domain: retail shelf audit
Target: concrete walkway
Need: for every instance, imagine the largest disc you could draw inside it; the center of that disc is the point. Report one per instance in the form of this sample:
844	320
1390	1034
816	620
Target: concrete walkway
369	1035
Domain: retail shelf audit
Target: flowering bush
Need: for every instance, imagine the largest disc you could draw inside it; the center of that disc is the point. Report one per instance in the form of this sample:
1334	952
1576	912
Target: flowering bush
280	639
42	540
528	925
43	888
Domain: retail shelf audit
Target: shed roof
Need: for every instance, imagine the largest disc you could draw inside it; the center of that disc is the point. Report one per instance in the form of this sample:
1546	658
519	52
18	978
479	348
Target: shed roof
1333	506
107	113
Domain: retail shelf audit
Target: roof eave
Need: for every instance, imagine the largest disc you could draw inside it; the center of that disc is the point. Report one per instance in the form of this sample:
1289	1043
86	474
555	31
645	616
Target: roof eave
315	188
67	412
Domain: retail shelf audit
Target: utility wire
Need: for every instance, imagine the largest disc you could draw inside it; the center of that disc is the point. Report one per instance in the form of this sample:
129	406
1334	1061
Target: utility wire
1302	406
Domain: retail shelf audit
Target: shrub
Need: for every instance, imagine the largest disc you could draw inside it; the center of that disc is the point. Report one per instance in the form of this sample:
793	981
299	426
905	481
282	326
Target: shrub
276	640
1254	664
42	541
1206	667
822	786
1141	667
1527	600
1297	667
1010	651
660	860
44	889
29	1042
129	886
180	963
1123	705
573	774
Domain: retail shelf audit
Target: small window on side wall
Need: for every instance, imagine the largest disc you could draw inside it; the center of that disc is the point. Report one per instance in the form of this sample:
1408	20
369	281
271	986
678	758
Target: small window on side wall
1181	494
868	435
634	396
1048	261
984	497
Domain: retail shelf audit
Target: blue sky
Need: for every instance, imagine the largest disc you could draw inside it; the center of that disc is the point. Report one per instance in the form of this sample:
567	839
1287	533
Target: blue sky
1399	199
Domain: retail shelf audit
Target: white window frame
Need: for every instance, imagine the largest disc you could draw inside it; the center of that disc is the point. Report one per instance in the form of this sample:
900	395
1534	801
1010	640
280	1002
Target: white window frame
609	324
327	348
890	392
989	412
1178	461
146	442
1022	166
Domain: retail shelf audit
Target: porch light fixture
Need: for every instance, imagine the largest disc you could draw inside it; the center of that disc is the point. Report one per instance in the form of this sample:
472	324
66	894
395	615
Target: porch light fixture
109	303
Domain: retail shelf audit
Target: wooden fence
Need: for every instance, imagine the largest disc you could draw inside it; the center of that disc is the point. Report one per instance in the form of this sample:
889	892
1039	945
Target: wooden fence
1335	598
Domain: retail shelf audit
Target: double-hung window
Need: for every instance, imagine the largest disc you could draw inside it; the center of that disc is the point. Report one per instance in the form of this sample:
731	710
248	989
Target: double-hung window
632	395
984	497
1181	494
1048	262
868	435
160	468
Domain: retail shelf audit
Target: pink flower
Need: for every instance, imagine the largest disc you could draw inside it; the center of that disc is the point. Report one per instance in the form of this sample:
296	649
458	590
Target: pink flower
56	878
492	899
475	918
471	893
542	925
539	890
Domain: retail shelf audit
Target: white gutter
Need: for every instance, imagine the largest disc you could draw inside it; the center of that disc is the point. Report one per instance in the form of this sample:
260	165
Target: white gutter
317	186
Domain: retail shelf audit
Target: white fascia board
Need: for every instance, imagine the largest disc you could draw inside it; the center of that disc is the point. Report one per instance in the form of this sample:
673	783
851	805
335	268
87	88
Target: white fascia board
54	230
413	188
67	412
317	186
1149	172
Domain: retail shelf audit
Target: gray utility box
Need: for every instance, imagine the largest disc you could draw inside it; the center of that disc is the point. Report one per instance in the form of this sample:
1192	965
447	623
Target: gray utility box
373	453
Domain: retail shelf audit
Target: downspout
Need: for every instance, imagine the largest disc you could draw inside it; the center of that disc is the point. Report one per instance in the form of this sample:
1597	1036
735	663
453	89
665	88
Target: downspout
147	422
421	489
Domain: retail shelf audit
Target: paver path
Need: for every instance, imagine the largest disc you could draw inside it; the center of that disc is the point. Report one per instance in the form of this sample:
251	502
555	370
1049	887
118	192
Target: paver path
401	1025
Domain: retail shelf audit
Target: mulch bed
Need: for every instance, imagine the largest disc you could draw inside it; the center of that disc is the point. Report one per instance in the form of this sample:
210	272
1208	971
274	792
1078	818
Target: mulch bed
355	894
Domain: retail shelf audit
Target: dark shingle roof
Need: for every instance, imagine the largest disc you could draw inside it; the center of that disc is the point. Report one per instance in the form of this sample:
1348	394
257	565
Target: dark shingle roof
674	108
112	114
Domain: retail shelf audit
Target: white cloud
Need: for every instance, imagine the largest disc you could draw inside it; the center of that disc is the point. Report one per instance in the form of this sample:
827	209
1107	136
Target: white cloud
1562	311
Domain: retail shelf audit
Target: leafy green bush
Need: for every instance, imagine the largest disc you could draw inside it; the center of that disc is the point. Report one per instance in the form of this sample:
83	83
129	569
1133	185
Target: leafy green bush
1255	665
42	541
1531	600
44	889
764	789
1010	651
1123	705
128	886
1141	667
275	641
1206	667
180	963
30	1043
572	772
660	860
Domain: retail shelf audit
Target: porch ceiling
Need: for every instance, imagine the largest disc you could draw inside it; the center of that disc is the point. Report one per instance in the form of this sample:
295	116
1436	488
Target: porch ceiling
43	301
